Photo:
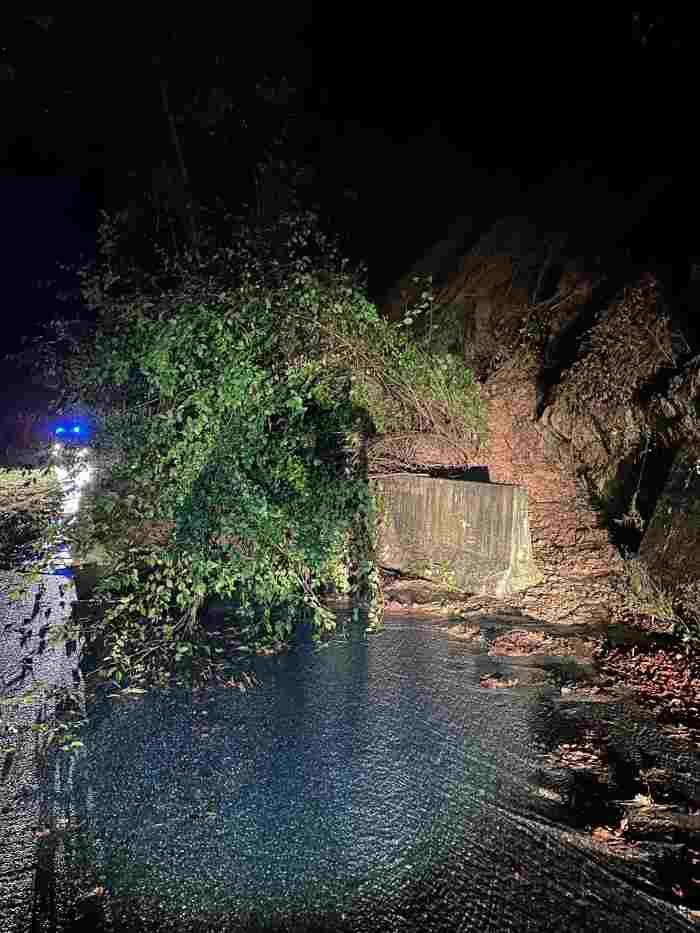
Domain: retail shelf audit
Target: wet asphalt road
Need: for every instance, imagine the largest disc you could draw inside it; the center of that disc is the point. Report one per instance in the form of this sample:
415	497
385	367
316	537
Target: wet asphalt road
370	786
26	660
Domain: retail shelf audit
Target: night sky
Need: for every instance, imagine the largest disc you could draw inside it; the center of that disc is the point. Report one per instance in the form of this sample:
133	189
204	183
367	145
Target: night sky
405	125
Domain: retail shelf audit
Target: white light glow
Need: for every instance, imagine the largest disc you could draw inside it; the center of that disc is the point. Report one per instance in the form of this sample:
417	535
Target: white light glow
72	485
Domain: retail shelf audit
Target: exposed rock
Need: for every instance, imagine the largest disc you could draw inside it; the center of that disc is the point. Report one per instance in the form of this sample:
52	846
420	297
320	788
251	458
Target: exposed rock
579	565
597	405
675	414
577	359
671	544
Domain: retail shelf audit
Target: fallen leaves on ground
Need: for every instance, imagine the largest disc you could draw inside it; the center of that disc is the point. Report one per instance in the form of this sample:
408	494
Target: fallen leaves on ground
465	631
642	622
494	681
668	681
583	755
519	643
597	694
681	732
643	800
613	837
631	833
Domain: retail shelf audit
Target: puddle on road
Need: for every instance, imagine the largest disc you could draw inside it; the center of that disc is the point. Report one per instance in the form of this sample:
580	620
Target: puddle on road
373	785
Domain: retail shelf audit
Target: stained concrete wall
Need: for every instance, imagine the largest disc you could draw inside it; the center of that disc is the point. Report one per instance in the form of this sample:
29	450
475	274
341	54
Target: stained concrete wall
474	537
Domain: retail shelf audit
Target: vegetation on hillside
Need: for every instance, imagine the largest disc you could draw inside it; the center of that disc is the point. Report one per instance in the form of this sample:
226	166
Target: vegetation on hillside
29	503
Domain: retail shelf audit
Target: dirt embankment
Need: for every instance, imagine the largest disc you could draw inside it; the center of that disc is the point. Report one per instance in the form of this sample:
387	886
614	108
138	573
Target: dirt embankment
590	375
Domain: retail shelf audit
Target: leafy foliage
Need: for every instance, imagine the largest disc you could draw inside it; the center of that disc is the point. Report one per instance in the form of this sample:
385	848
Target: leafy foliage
232	398
29	504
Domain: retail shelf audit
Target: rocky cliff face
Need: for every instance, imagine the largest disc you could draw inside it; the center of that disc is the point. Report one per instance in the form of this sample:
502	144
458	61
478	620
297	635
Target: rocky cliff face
571	545
590	374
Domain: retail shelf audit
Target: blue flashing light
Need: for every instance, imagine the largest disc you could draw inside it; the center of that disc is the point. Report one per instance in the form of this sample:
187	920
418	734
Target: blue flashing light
69	431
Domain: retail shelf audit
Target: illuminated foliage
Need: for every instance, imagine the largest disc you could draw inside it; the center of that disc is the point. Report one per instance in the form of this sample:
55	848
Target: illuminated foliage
232	407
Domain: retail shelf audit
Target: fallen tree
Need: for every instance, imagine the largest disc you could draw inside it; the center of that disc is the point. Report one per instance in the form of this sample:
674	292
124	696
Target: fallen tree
233	398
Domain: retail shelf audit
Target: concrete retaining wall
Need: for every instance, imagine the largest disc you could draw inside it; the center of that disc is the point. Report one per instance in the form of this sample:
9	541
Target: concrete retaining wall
473	537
